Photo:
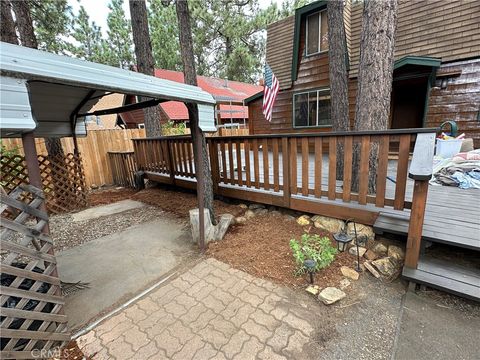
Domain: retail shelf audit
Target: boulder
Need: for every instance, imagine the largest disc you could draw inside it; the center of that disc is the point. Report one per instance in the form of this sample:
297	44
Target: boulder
276	213
312	289
303	220
396	252
370	255
240	220
256	206
260	211
349	273
328	224
353	251
362	230
331	295
243	206
249	214
386	266
380	249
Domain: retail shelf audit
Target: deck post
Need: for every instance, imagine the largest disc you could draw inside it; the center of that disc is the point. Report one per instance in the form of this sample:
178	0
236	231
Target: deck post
415	226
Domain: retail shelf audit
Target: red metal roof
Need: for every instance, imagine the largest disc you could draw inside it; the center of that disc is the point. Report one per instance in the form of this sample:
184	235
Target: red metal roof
216	87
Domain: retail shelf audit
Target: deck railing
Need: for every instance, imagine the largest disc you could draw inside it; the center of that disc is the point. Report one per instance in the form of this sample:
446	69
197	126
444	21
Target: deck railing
297	171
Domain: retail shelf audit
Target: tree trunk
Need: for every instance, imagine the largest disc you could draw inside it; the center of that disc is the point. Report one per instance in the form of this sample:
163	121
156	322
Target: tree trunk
375	72
337	58
25	24
186	48
7	28
145	62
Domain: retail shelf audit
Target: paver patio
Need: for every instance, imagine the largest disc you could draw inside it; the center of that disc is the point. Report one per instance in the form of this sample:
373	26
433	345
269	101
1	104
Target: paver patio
210	311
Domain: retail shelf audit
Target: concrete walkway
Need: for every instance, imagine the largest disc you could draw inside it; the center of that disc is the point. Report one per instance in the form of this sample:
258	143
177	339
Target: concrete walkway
211	311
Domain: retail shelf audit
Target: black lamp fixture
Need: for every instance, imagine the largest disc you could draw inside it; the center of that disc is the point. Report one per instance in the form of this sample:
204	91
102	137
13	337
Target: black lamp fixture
343	239
310	266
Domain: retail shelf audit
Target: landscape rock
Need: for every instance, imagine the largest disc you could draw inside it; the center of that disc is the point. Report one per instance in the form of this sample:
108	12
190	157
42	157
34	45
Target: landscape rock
249	214
243	206
344	283
362	230
260	211
349	273
328	224
313	289
331	295
380	249
240	220
276	213
370	255
396	252
256	206
385	266
303	220
94	186
289	217
371	269
353	250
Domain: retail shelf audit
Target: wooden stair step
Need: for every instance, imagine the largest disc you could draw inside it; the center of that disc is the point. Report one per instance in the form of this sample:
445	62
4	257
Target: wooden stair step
444	275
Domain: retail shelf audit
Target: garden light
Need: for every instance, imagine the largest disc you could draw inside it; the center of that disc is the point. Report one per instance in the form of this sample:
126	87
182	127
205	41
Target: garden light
343	238
310	265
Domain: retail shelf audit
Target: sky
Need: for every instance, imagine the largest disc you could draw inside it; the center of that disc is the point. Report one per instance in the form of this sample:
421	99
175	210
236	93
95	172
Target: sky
98	9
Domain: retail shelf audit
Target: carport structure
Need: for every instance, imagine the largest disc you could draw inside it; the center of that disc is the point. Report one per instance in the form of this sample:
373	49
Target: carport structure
47	95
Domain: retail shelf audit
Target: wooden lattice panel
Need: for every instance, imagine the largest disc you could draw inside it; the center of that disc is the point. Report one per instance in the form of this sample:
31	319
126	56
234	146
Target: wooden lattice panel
62	176
31	317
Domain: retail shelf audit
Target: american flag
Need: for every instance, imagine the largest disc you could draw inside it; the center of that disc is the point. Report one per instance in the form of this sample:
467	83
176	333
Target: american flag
270	92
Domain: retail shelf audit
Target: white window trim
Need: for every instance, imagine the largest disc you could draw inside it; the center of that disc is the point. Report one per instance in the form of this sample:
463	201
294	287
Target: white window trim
319	34
141	126
318	91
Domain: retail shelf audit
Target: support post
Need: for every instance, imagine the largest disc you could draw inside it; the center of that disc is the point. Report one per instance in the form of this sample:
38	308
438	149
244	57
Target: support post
415	226
200	185
31	158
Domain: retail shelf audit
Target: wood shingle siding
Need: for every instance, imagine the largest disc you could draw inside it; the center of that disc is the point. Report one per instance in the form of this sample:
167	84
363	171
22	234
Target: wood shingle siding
280	50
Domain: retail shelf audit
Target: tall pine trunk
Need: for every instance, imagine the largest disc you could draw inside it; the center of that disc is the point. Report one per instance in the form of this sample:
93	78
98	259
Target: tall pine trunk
7	27
28	39
145	62
337	59
186	48
377	47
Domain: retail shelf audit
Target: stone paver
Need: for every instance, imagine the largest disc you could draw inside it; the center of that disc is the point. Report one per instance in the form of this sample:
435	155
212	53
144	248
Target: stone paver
211	311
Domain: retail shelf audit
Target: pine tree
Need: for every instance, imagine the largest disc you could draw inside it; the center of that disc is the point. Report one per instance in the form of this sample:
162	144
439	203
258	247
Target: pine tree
119	36
7	28
89	38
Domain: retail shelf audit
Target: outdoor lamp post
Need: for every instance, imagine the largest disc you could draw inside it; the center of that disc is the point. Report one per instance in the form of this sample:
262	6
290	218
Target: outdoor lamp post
343	238
310	265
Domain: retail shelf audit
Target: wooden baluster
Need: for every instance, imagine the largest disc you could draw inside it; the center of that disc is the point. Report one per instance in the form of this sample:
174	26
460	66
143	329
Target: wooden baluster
255	164
332	167
171	160
381	181
231	164
239	162
318	158
276	184
286	172
266	167
181	145
347	167
246	147
305	161
293	166
363	172
190	157
402	168
224	162
158	155
188	171
176	163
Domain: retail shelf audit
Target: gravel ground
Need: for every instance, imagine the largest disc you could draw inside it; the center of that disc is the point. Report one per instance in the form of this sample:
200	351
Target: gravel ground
67	234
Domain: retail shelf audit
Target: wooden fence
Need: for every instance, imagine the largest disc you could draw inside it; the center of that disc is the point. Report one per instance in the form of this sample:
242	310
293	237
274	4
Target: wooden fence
31	298
62	177
299	171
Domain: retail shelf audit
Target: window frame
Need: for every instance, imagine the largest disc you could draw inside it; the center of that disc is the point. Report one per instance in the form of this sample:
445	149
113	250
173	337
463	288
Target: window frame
319	33
318	91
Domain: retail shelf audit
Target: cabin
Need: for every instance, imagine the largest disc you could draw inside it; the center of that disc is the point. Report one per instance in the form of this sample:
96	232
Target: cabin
436	73
229	95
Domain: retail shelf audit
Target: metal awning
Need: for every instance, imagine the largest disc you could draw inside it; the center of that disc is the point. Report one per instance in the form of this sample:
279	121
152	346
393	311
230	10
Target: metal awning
44	92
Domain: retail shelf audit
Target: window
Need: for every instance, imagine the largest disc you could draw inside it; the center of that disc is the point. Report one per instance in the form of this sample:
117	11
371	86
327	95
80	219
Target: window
311	108
316	33
141	126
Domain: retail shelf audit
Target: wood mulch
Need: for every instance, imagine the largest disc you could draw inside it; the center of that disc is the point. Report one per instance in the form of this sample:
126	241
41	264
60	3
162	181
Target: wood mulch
261	248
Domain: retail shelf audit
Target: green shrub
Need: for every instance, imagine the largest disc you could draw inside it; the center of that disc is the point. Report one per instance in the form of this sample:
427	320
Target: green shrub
312	247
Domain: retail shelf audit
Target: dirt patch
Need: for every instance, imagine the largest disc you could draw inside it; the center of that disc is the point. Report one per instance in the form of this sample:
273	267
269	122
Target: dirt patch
261	248
108	196
72	352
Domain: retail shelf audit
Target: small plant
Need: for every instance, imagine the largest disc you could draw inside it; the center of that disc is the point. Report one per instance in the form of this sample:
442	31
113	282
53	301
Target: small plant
312	247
